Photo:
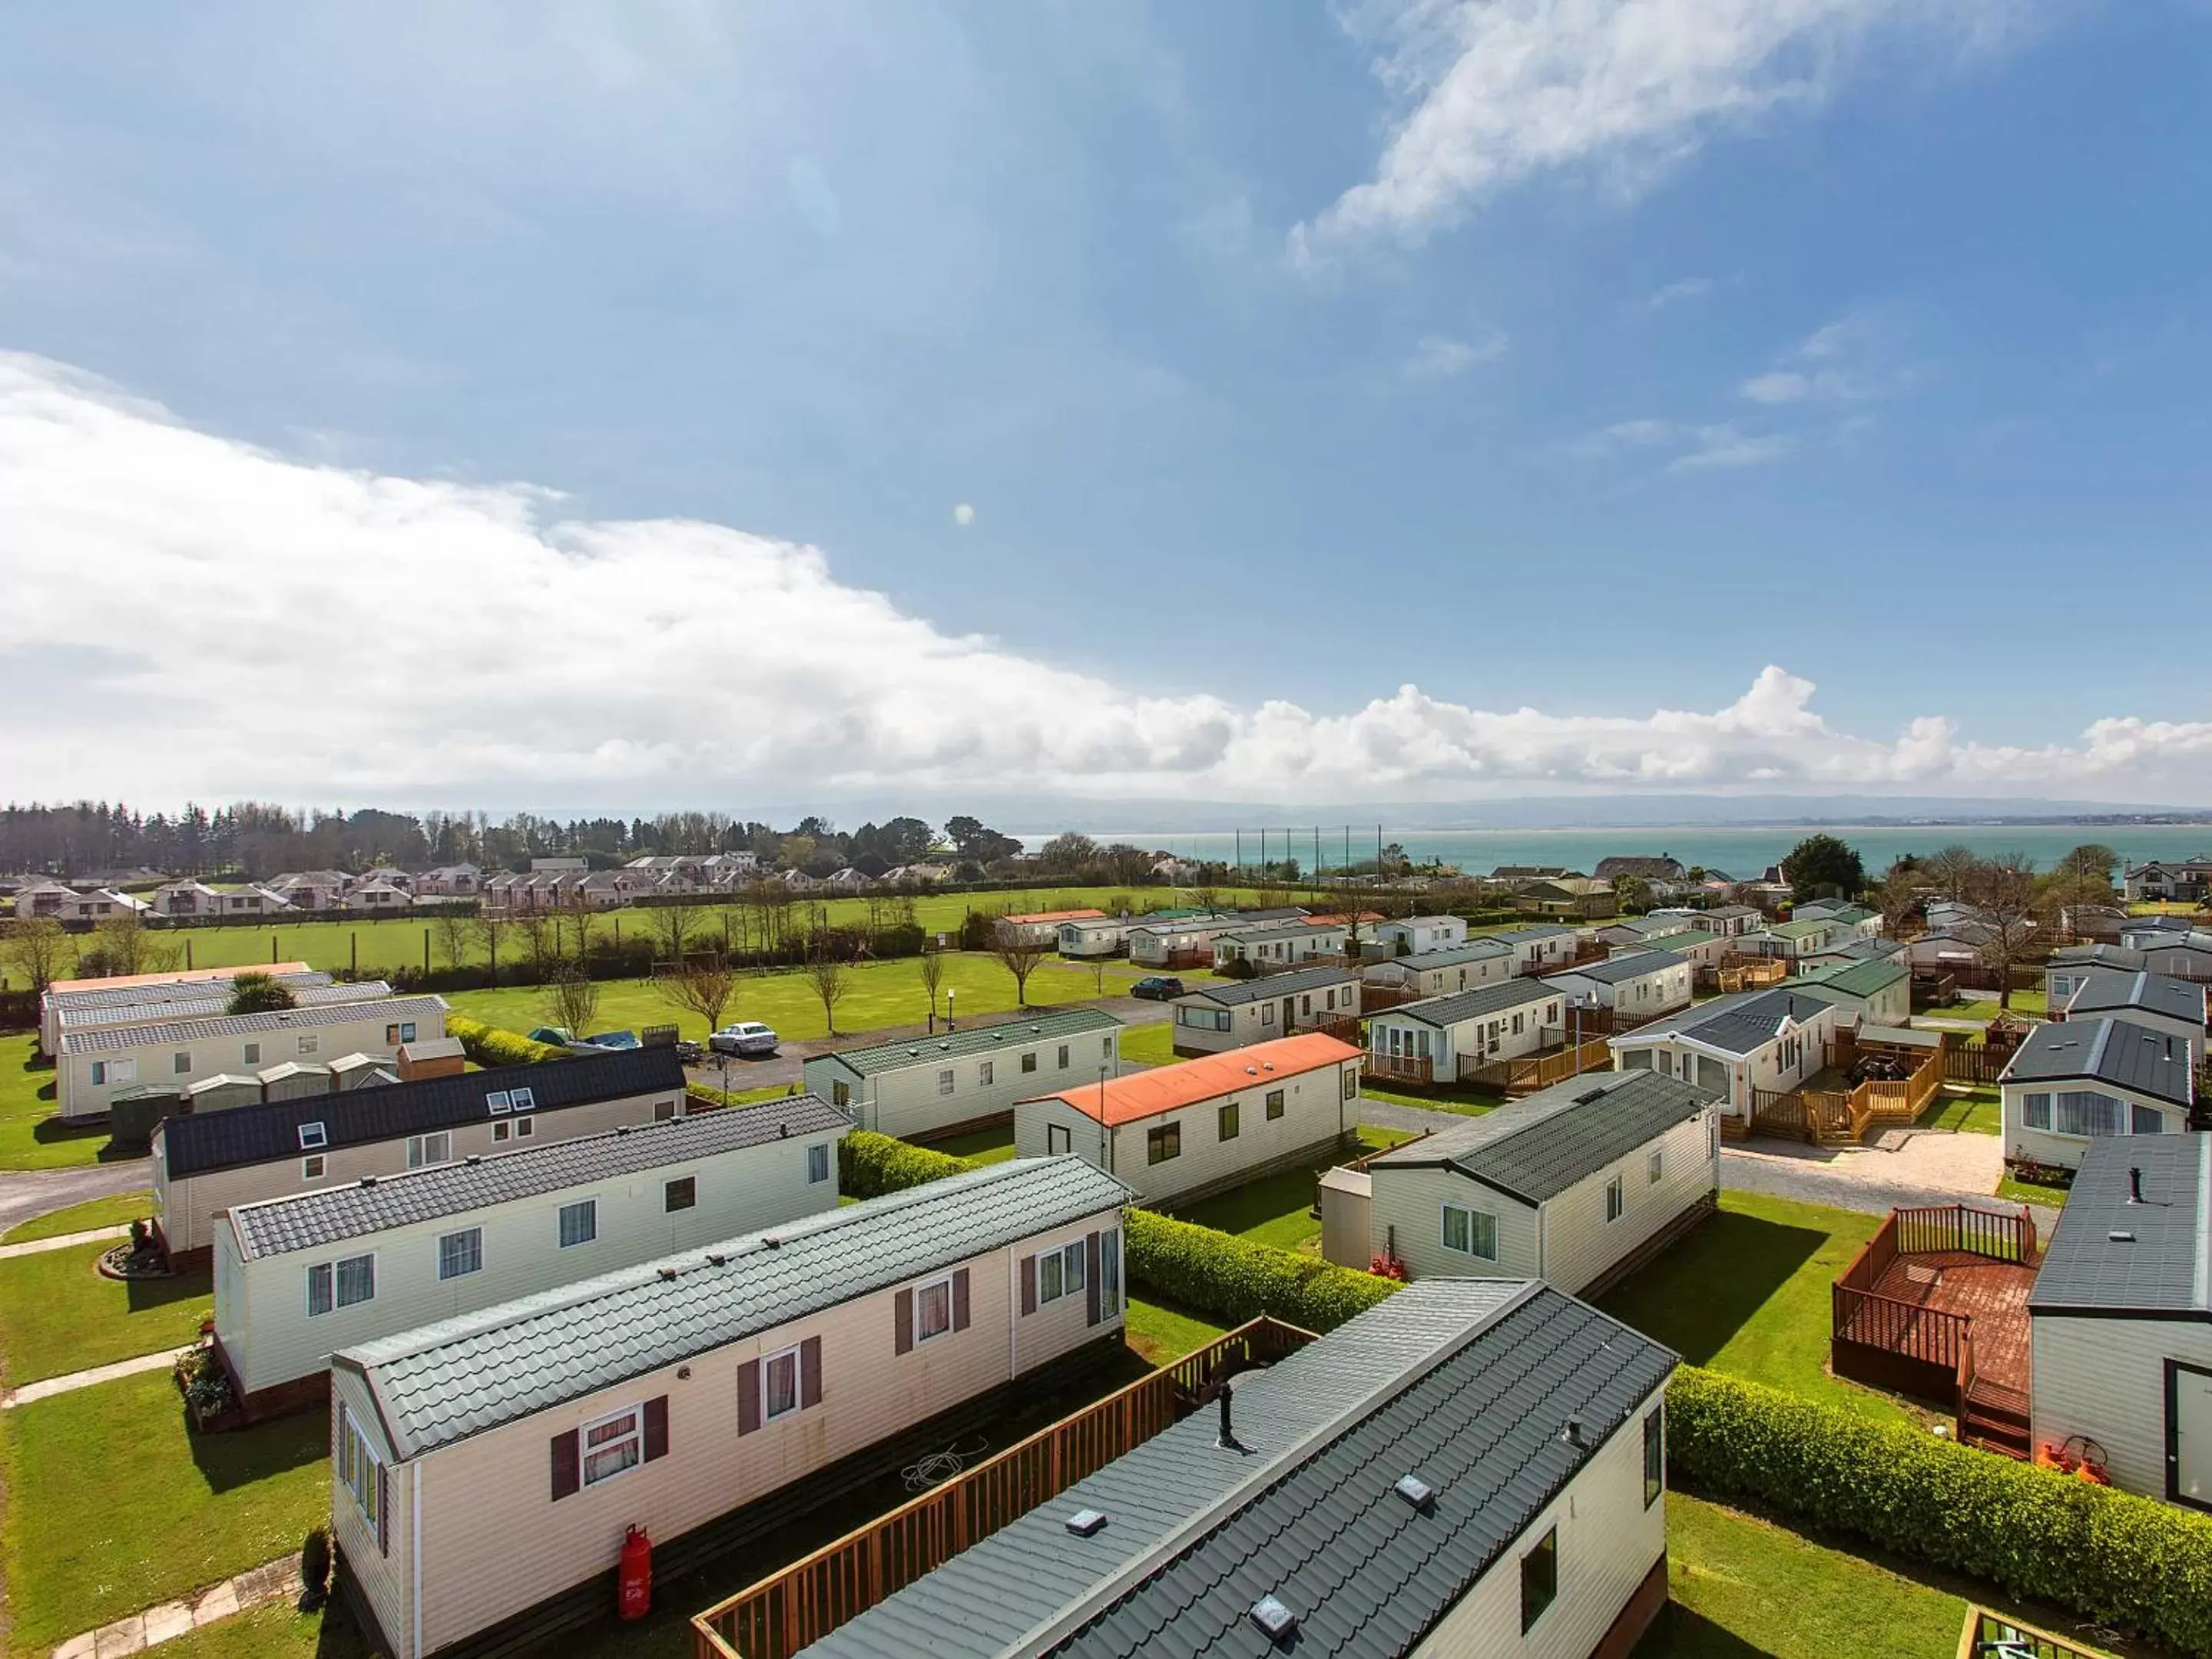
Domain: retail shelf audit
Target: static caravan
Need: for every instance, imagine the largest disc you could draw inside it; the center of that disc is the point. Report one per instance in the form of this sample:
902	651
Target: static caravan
1181	1132
1178	941
1642	930
2121	1318
938	1085
1440	1039
1636	985
204	1164
1436	973
2154	1001
1501	1446
1416	936
1575	1185
93	1066
296	1278
1789	939
210	1000
1539	946
1735	1046
1847	948
2070	967
1232	1012
2188	956
1864	992
2076	1080
1089	938
1043	926
1285	944
485	1469
84	996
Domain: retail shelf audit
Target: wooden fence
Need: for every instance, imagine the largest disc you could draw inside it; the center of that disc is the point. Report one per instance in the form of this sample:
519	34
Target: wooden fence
1526	1073
1835	1117
1417	1069
1973	1065
812	1596
1891	1343
1992	1636
1750	973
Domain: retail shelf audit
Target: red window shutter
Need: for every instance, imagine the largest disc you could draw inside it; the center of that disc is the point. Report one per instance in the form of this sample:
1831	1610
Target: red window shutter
1091	1279
749	1400
902	1321
810	1371
656	1427
383	1510
1029	1284
959	1298
568	1471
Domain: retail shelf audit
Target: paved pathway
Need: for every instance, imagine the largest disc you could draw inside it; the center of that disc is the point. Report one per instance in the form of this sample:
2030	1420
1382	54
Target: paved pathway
62	1241
46	1388
1879	1177
272	1581
25	1193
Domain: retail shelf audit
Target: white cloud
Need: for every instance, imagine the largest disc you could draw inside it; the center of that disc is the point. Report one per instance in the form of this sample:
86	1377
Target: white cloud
1852	358
1695	447
189	616
1438	356
964	514
1673	294
1495	91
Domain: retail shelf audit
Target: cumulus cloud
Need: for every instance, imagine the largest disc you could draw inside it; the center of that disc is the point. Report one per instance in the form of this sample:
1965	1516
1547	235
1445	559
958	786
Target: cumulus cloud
1847	361
190	616
964	514
1491	92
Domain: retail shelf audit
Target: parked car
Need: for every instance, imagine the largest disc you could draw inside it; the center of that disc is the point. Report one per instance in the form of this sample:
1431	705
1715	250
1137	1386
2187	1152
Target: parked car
747	1036
1157	987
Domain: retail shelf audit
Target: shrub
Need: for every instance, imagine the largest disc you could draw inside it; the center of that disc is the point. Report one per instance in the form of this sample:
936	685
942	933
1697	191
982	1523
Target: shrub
492	1045
315	1567
1235	1280
870	1164
2037	1534
260	993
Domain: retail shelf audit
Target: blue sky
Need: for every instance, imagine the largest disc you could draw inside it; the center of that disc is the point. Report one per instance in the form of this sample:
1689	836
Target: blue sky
1571	357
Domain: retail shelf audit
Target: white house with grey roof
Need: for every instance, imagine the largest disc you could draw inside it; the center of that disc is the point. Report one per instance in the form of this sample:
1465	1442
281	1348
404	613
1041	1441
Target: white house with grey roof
297	1278
1285	944
1230	1014
2121	1318
92	1067
1575	1185
1416	936
1440	1039
2074	1080
486	1468
1538	947
1637	985
1736	1047
1864	992
1471	1468
2157	1002
1434	973
938	1085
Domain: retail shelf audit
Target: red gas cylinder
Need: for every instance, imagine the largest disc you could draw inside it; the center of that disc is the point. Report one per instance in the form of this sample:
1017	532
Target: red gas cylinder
633	1579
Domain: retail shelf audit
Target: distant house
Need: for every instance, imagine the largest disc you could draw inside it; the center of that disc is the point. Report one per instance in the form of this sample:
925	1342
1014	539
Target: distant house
937	1085
97	905
2168	881
450	881
1043	926
186	898
1841	914
1636	985
1181	1132
723	1386
1435	973
2188	956
1177	941
1864	992
1231	1013
1443	1038
2076	1080
2121	1317
1849	948
1538	947
1500	1444
1531	872
42	898
1568	895
310	890
1418	935
203	1165
1736	1047
1704	951
1651	929
298	1277
2155	1002
1959	945
374	898
1575	1185
1730	920
1661	868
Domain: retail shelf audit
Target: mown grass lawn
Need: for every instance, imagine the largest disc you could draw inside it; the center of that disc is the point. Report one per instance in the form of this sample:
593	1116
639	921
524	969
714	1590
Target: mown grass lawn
31	1136
117	1211
2032	1005
1149	1045
994	1145
58	1315
1468	1101
2032	1192
1278	1209
113	1506
1977	1111
1748	1293
1161	1333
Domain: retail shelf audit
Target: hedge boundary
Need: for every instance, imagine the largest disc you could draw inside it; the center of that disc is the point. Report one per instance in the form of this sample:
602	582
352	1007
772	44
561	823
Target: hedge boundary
494	1045
2038	1534
1235	1279
871	1165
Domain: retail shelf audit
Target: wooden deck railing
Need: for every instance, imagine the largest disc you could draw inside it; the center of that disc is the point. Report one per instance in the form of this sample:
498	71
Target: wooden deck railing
1398	1068
1992	1636
807	1599
1526	1073
2001	1234
1933	1349
1834	1117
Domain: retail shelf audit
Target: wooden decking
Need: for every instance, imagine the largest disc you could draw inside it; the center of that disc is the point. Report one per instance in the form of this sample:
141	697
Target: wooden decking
1992	1294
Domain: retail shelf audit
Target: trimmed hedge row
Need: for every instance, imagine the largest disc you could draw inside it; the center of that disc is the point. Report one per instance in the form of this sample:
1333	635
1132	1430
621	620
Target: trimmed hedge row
870	1164
493	1045
1235	1280
2107	1555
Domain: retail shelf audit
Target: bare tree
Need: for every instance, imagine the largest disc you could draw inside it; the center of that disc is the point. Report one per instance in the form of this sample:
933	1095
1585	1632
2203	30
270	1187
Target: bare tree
932	969
2004	889
827	975
579	918
1897	898
126	946
454	932
488	929
1206	895
1018	954
702	986
572	1000
33	949
672	927
1951	869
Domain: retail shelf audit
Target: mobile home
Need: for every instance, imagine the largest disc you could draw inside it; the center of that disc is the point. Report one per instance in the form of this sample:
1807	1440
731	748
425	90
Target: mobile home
1232	1012
938	1085
2076	1080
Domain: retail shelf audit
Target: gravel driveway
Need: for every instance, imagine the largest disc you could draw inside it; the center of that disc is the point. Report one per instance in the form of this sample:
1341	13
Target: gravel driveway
25	1193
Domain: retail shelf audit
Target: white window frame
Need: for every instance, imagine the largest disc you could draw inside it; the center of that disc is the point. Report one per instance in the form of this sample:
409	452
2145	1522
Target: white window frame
313	1136
252	1054
817	1157
1655	1166
312	1166
921	1291
1070	1278
521	1100
180	1063
984	1074
585	1451
1058	1139
769	1362
498	1101
311	1042
525	1129
420	1148
477	1257
357	1467
1616	1199
327	1273
945	1085
561	1224
1470	1216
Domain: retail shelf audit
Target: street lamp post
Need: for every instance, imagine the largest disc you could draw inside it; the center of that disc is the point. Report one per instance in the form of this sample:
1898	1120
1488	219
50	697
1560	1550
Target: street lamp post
951	991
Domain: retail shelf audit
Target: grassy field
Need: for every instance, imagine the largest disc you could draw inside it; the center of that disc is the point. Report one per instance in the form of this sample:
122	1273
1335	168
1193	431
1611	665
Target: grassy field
1977	1111
994	1145
117	1211
58	1315
2029	1005
1161	1331
1468	1102
1150	1045
1748	1293
1278	1209
2029	1192
113	1506
31	1137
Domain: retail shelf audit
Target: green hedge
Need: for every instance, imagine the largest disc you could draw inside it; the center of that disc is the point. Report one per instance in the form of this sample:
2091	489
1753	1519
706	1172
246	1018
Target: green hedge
870	1164
492	1045
2107	1555
1235	1280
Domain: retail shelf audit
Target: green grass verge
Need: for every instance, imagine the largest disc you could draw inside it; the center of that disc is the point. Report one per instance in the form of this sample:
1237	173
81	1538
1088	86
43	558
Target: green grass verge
1150	1045
993	1146
113	1506
1748	1293
2031	1004
2029	1192
277	1631
1161	1333
1741	1586
58	1315
1979	1111
31	1136
1278	1209
117	1211
1468	1102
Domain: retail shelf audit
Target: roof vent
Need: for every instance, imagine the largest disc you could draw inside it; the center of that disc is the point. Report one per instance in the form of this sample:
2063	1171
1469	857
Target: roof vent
1266	1065
783	1132
1277	1621
2135	1186
622	1128
717	1258
368	1181
913	1053
772	1241
2119	1236
1084	1522
1571	1432
1417	1492
473	1158
668	1275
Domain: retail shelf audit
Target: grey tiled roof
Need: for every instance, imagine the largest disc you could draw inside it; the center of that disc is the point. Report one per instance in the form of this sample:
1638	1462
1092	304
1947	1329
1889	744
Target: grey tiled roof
1737	1024
1234	992
1611	970
2113	1051
1288	928
2118	957
1475	950
1468	1384
1534	930
1479	1003
206	1005
971	1040
2177	999
181	1032
183	990
461	1376
306	1221
2164	1265
1538	1146
1853	979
